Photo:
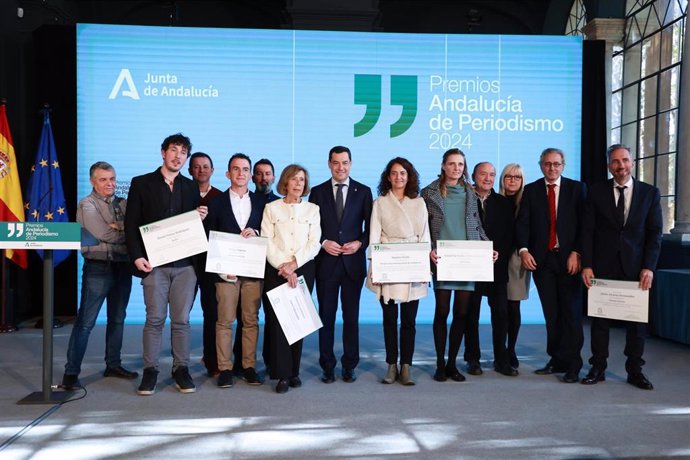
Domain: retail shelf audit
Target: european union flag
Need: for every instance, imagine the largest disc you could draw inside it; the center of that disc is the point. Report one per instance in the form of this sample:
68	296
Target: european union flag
46	197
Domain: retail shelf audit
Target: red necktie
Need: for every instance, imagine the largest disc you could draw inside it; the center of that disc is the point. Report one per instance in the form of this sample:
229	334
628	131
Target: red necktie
552	216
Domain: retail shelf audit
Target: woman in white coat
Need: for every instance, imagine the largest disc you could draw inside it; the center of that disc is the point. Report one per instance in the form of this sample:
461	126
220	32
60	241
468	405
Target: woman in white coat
399	216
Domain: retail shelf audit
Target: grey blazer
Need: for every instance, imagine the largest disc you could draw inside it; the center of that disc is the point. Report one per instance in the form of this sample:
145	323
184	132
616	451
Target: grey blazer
434	205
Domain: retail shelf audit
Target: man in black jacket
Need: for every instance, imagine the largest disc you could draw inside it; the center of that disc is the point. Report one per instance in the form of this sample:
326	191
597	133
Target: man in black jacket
152	197
496	212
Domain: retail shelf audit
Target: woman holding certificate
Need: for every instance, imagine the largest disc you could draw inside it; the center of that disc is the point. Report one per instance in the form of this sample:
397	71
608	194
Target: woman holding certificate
453	215
398	216
293	228
512	185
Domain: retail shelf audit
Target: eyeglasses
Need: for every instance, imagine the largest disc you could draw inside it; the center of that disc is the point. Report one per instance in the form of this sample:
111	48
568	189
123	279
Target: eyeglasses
548	165
509	177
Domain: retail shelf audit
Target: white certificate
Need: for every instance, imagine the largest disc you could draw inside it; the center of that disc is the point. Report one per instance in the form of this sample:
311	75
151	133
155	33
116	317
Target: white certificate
400	263
614	299
174	238
460	260
295	310
233	254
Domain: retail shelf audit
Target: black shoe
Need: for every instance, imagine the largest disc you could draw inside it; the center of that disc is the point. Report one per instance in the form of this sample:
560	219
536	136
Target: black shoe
295	382
120	372
473	368
454	374
183	381
148	382
225	379
328	376
251	377
283	386
70	382
506	370
571	377
549	369
440	375
595	375
349	375
640	381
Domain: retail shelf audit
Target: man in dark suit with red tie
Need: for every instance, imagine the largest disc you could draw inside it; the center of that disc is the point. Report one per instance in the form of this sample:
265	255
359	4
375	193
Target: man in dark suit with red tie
345	207
621	240
548	238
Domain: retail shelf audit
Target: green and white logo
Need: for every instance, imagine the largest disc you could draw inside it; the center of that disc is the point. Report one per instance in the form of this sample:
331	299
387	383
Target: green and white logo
368	93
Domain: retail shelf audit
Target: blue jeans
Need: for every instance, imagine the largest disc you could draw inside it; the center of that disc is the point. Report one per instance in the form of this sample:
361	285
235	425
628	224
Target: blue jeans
100	280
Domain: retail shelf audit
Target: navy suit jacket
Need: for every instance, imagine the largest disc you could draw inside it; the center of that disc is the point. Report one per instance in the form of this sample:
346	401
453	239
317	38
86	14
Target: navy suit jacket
637	243
221	218
533	223
353	226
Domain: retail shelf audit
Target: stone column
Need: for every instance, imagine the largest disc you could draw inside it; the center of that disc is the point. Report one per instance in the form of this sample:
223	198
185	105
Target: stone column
612	32
682	222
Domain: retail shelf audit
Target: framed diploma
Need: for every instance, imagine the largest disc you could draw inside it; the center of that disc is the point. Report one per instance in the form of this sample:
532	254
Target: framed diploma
400	263
233	254
615	299
174	238
460	260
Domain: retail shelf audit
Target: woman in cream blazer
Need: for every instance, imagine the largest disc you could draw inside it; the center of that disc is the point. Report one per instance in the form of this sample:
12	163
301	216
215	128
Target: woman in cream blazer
399	216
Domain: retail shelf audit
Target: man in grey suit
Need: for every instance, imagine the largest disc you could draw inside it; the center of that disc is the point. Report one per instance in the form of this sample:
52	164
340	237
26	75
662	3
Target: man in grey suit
621	240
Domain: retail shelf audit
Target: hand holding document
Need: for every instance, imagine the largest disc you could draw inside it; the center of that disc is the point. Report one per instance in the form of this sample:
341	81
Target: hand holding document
615	299
400	263
460	260
235	254
295	310
174	238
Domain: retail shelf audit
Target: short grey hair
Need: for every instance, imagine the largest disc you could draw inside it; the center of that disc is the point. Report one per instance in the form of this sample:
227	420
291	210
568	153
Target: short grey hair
548	150
100	165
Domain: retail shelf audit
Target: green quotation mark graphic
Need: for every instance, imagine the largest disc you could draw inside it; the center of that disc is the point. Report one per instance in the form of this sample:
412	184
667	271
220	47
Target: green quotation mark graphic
368	93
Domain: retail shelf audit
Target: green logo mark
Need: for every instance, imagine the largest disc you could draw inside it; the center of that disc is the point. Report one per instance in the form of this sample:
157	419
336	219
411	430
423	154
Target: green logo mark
368	93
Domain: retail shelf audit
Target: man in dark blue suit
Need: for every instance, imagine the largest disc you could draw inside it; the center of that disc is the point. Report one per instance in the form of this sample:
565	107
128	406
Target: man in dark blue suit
345	207
621	240
548	238
238	211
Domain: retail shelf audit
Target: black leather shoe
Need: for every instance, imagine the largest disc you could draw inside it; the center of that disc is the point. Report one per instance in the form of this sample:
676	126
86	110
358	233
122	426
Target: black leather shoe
283	386
349	375
295	382
640	381
70	382
473	368
454	374
514	363
328	376
506	370
594	376
120	372
571	377
549	369
440	375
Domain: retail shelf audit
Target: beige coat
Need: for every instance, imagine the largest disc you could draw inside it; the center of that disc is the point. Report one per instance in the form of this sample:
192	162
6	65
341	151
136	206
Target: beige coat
394	221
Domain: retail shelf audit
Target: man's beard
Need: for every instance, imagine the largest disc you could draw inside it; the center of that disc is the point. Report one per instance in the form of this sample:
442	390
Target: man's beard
263	188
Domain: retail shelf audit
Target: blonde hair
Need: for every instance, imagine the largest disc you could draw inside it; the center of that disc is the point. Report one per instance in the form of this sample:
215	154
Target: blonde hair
464	179
514	169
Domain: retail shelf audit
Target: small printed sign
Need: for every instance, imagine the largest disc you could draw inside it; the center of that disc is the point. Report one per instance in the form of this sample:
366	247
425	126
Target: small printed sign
40	235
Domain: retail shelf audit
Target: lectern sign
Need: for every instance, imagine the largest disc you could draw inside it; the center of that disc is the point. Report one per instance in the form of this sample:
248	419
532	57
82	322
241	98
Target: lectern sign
40	235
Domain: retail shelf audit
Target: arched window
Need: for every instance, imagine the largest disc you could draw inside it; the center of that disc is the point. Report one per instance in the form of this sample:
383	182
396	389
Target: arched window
576	19
645	92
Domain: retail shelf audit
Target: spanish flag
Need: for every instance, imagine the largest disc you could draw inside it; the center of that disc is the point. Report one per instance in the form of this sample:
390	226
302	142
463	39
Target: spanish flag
11	203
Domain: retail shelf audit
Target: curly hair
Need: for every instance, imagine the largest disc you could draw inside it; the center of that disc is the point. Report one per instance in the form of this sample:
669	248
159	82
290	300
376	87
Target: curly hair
412	186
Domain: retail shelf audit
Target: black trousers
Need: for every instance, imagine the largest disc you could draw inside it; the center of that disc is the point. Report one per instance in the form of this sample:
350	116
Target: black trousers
284	359
559	294
635	334
408	330
209	307
497	294
327	294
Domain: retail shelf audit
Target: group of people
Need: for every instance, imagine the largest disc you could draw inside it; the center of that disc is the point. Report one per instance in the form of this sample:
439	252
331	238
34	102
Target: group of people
552	229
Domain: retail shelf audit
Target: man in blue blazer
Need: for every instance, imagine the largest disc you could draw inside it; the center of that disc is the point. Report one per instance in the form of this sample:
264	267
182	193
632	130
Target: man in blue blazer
548	238
621	240
345	207
238	211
